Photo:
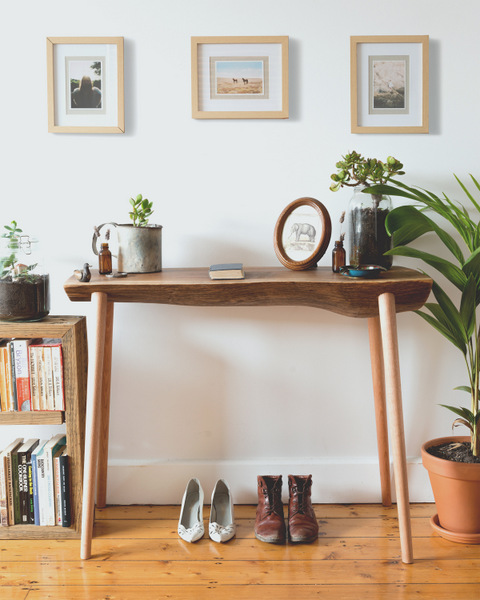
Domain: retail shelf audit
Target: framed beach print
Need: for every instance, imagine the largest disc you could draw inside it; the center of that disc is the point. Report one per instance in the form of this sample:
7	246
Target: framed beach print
302	234
240	77
389	84
85	85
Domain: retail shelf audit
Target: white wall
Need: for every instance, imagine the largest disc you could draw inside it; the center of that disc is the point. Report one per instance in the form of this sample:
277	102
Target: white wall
235	392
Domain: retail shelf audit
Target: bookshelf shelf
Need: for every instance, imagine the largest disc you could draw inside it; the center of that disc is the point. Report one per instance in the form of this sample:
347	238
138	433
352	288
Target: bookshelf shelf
72	333
54	417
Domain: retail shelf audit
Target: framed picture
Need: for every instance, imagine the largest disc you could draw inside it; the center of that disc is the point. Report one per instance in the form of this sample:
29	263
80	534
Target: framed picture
240	77
85	85
389	84
302	234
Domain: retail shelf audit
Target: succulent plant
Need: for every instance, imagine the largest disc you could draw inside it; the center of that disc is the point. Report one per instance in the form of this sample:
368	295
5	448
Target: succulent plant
355	170
141	211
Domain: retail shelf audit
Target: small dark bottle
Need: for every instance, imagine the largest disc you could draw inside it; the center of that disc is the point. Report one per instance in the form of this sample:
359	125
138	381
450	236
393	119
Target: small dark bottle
338	256
104	260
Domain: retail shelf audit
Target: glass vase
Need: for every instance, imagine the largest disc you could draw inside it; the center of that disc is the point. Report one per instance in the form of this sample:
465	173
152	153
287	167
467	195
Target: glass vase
367	238
24	282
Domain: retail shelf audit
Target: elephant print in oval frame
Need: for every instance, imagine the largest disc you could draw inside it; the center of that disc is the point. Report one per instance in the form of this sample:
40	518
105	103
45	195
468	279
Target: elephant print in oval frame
302	234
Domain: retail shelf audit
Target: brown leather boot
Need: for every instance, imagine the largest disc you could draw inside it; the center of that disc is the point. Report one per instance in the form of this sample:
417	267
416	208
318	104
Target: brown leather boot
302	523
270	522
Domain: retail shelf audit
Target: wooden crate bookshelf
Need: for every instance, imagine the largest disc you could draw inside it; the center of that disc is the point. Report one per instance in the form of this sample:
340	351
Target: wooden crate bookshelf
72	332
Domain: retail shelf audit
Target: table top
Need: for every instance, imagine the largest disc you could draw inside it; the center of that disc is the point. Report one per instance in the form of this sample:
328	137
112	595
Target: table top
262	286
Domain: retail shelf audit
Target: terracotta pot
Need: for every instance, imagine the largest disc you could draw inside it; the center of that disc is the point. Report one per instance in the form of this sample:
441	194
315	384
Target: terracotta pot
456	488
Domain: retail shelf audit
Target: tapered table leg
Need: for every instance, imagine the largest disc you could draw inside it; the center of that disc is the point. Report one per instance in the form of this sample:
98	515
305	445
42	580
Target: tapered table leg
378	377
386	305
94	407
105	411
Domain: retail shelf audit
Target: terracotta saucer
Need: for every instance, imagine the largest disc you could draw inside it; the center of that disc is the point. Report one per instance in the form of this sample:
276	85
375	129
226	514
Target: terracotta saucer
452	536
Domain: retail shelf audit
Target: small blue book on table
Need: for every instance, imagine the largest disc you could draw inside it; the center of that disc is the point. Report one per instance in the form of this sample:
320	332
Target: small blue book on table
227	271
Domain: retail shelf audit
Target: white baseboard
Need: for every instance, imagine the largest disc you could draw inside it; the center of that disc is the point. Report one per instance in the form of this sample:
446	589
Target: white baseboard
334	481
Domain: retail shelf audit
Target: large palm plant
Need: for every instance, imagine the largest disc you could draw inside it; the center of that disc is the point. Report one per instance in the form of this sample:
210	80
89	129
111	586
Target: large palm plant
456	319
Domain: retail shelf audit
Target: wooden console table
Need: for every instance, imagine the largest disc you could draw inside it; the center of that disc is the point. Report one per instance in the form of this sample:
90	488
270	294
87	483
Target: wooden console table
378	300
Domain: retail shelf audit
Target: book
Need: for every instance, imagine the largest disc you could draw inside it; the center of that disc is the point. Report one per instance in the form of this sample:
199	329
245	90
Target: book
45	479
34	391
65	493
3	491
15	486
47	362
227	271
57	484
3	382
25	480
7	372
9	477
13	380
21	373
57	366
36	510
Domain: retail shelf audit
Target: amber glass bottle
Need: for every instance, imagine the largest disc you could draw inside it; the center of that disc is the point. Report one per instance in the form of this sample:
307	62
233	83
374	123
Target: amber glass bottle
338	256
104	260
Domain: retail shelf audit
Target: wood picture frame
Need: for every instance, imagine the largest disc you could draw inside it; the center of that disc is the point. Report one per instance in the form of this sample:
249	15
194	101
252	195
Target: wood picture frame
85	85
389	83
308	246
240	77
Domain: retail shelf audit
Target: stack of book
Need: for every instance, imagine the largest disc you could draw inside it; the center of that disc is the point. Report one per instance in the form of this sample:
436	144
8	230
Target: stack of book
31	375
35	483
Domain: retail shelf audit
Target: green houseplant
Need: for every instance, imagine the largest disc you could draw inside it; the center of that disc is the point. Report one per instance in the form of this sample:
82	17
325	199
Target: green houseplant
24	288
139	242
367	239
456	317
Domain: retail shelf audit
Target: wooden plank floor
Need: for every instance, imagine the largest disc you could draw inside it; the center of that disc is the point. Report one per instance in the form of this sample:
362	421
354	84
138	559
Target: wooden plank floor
137	555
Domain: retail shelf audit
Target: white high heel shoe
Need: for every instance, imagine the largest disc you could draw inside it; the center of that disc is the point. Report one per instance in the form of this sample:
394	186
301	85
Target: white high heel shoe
190	524
221	527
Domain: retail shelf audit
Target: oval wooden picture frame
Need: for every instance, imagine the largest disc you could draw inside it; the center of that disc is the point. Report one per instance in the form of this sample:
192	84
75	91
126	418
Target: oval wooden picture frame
311	261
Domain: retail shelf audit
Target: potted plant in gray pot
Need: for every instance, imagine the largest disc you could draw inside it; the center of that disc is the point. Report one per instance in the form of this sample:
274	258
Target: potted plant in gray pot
139	242
454	462
367	239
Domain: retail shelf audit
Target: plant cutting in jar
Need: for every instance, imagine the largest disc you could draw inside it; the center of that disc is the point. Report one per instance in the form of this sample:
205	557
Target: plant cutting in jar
24	291
367	238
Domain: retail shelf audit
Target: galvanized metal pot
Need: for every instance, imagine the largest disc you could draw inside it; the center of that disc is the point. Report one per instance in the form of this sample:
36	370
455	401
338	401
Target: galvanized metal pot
139	248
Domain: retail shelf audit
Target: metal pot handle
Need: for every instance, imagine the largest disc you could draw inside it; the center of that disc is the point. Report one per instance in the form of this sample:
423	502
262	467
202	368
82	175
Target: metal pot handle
96	235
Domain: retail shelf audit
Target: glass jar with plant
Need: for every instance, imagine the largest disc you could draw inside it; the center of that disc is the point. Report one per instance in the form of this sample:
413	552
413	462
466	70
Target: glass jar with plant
367	239
24	285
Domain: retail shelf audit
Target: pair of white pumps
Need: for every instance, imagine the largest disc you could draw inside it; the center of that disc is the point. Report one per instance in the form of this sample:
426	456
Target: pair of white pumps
221	527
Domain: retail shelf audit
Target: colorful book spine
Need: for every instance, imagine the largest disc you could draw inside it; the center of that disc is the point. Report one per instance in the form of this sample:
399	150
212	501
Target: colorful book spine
34	391
16	479
3	382
13	375
57	367
36	507
65	497
57	485
9	475
3	491
8	377
25	480
22	373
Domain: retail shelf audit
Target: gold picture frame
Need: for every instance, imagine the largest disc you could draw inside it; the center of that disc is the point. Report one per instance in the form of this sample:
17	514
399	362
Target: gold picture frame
300	245
389	83
240	77
85	85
